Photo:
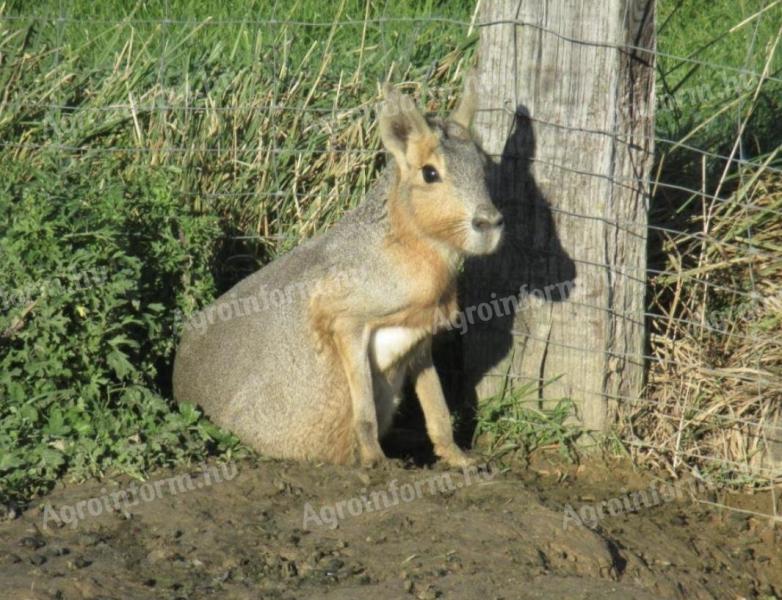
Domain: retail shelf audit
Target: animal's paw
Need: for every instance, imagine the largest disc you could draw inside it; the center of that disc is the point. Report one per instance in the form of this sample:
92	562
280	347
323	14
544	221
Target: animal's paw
372	456
455	457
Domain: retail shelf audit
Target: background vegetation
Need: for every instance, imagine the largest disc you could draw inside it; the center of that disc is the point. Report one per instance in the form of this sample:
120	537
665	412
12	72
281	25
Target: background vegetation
147	165
153	153
715	266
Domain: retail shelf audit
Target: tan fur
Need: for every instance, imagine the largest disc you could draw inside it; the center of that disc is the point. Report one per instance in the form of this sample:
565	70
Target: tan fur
320	376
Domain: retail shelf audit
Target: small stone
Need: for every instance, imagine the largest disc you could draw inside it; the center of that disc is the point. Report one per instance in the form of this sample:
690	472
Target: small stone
222	577
408	586
38	559
32	542
88	539
334	565
156	555
429	593
679	520
80	562
179	561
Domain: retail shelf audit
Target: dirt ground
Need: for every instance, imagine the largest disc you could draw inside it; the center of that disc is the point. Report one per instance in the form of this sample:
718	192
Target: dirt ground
487	535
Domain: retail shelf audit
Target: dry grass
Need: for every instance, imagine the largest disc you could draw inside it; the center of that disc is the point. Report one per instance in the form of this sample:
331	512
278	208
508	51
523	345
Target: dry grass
715	381
713	401
270	128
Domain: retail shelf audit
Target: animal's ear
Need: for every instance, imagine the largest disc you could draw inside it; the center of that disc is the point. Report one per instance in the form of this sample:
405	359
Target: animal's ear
403	129
465	111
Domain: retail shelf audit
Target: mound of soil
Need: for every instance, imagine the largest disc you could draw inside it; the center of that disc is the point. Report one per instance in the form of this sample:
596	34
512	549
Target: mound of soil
275	529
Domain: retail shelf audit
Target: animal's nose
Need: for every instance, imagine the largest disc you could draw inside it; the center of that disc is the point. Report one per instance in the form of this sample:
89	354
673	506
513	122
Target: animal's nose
487	217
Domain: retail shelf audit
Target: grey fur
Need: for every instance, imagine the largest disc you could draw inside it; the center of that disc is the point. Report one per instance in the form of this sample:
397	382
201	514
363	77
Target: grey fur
258	368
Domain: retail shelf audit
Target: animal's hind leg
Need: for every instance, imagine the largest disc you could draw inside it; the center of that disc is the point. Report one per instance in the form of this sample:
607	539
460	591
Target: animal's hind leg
352	344
328	433
340	441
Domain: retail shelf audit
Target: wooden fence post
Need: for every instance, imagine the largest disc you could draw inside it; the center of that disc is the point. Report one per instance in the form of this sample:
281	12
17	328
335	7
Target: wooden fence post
566	108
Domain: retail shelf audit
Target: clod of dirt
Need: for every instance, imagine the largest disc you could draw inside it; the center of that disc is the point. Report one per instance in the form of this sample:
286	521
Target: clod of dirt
59	551
32	542
80	562
37	559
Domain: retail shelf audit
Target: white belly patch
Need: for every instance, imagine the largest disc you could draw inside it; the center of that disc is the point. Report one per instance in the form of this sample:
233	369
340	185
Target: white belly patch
389	344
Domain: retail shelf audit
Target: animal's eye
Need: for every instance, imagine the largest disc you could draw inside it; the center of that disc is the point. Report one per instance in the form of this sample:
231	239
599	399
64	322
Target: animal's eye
430	174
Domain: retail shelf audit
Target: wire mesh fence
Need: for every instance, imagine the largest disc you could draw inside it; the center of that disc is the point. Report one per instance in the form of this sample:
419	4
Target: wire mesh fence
266	122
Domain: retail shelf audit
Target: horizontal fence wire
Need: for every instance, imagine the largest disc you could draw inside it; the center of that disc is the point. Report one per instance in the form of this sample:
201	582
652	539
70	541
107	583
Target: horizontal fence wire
732	421
635	400
631	318
345	112
624	181
752	250
603	266
381	21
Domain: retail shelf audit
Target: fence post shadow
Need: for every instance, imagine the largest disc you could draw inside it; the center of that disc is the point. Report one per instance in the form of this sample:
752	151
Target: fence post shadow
530	258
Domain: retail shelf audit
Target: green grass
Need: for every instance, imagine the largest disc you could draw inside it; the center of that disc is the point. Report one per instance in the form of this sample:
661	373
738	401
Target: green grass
514	422
710	91
166	149
171	159
714	262
269	126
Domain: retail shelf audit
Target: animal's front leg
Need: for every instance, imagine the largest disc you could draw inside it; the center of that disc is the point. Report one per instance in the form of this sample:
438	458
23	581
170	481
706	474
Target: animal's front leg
438	417
352	342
